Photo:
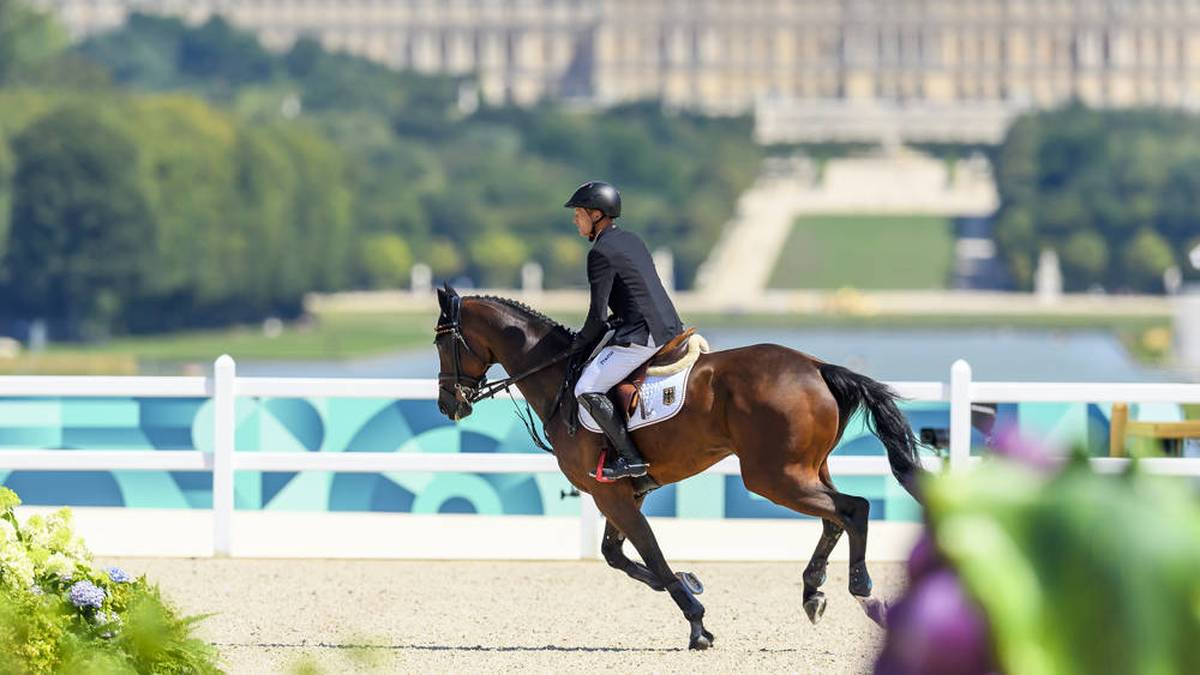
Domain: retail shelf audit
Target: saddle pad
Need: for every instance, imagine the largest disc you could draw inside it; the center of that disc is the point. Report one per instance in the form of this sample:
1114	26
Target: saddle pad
662	398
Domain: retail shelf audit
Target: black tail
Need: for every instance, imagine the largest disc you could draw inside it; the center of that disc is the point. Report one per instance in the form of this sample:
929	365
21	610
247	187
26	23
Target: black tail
853	391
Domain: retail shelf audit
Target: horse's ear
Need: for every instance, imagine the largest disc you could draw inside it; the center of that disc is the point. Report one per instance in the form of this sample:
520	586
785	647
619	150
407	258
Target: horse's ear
443	299
450	292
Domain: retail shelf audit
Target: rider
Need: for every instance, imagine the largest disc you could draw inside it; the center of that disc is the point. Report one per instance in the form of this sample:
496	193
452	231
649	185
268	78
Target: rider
622	277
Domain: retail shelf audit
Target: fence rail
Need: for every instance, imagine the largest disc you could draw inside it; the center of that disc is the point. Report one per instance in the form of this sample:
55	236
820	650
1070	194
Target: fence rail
224	387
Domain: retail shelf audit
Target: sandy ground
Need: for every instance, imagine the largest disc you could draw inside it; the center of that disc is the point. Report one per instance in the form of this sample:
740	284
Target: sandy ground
290	616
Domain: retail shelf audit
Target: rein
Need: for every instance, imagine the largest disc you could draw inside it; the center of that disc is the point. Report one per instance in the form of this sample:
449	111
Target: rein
477	390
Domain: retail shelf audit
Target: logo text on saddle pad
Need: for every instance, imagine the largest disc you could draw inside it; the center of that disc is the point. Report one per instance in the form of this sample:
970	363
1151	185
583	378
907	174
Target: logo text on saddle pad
668	395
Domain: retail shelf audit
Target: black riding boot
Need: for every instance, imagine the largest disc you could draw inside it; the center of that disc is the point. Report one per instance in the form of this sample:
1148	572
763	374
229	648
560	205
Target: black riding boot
628	463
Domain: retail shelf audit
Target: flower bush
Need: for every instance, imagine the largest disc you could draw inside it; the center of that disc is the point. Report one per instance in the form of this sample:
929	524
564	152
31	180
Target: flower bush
1031	566
60	614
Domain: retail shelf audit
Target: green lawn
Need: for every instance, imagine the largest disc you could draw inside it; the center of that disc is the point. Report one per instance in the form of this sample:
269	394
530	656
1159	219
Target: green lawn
334	336
329	336
869	252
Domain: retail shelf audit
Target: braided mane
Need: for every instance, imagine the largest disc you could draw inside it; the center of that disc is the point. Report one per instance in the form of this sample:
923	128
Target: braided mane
528	311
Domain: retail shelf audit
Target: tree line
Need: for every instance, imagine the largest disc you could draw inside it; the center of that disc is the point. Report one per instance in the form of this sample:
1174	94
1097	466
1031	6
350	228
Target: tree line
184	175
1116	193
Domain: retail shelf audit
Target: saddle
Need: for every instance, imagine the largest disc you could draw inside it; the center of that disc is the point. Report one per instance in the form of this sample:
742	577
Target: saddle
627	394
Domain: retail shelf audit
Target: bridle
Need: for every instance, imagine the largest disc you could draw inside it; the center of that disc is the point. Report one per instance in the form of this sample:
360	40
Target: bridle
470	391
473	389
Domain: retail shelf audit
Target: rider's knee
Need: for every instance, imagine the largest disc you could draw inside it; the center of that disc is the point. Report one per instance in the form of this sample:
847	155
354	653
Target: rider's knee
585	386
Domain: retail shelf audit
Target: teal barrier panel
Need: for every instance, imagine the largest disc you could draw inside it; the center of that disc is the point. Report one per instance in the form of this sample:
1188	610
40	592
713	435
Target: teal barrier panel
375	425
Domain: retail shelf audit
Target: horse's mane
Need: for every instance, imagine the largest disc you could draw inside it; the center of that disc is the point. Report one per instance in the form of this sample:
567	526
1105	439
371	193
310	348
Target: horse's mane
528	311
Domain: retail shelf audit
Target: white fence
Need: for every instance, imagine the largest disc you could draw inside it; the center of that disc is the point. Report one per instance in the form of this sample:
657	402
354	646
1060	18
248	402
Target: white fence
225	387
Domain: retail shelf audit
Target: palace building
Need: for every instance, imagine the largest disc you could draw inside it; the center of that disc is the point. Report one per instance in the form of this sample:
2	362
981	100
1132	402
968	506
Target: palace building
917	70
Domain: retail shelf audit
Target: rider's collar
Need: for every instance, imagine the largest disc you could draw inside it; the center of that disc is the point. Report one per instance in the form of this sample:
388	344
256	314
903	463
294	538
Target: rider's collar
602	232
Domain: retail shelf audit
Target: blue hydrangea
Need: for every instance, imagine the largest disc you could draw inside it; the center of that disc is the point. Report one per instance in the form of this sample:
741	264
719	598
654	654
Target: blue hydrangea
118	575
86	594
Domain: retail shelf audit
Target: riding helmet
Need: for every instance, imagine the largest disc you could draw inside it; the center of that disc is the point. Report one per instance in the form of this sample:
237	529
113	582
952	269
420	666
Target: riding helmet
597	195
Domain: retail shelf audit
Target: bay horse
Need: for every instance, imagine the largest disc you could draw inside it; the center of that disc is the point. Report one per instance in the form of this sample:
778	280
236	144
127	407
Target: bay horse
780	411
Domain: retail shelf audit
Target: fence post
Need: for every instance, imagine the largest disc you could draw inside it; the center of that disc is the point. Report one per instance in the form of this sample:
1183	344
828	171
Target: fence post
224	422
591	523
960	415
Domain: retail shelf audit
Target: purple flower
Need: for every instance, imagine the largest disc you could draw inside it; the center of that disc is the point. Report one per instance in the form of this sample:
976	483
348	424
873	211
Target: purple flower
936	629
1009	443
86	594
118	575
924	558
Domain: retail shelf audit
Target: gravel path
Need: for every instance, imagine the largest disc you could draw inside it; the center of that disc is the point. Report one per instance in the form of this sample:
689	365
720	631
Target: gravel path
278	616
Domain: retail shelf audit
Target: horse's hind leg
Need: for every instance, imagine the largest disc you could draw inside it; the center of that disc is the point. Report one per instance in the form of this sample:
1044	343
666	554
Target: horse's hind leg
850	512
814	573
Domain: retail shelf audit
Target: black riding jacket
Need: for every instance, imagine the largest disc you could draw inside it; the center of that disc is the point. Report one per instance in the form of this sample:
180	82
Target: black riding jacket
622	276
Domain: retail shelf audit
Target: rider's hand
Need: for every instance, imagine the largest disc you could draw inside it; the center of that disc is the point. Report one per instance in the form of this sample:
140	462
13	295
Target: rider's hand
580	343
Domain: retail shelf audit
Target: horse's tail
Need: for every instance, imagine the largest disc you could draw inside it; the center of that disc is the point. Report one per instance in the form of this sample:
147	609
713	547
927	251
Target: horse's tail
852	391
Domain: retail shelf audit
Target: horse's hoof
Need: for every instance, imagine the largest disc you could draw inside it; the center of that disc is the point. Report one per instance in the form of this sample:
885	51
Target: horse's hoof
814	606
702	642
700	638
690	582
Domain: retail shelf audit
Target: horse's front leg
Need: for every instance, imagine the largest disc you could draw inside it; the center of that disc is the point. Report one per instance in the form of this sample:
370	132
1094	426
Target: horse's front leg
623	514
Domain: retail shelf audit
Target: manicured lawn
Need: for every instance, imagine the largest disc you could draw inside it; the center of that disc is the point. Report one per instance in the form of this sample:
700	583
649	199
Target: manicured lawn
334	336
869	252
330	336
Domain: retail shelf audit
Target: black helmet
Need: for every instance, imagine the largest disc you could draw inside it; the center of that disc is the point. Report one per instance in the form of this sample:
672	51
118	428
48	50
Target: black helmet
597	195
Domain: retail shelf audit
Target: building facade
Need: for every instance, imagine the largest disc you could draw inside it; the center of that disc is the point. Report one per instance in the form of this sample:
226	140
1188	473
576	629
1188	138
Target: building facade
833	69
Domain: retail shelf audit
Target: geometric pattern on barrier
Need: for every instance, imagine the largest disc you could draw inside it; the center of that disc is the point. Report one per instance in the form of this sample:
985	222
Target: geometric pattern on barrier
379	425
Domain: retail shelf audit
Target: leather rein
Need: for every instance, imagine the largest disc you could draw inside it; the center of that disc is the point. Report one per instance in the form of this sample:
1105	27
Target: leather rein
474	389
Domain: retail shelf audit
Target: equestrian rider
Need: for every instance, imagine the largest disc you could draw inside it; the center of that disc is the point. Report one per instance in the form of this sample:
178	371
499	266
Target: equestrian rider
622	277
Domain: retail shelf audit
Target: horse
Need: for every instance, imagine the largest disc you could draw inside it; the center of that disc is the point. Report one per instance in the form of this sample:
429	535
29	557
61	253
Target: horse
779	410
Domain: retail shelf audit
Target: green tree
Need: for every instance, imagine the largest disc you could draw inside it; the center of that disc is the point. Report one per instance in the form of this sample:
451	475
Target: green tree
188	170
81	226
444	258
399	157
1114	191
219	53
324	241
143	53
564	259
1084	259
7	165
1180	214
498	255
266	185
386	260
28	39
1145	259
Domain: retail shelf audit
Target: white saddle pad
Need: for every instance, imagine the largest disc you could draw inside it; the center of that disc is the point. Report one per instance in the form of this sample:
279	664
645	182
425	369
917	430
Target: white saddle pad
662	398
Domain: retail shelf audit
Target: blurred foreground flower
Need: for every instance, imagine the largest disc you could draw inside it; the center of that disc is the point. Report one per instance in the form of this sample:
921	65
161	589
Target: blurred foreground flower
1033	566
118	575
59	614
86	594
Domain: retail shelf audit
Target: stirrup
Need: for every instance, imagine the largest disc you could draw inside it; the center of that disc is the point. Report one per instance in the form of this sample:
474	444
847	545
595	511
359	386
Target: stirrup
608	474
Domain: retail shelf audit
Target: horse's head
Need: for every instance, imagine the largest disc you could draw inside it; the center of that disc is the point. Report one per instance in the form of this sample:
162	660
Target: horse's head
464	363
